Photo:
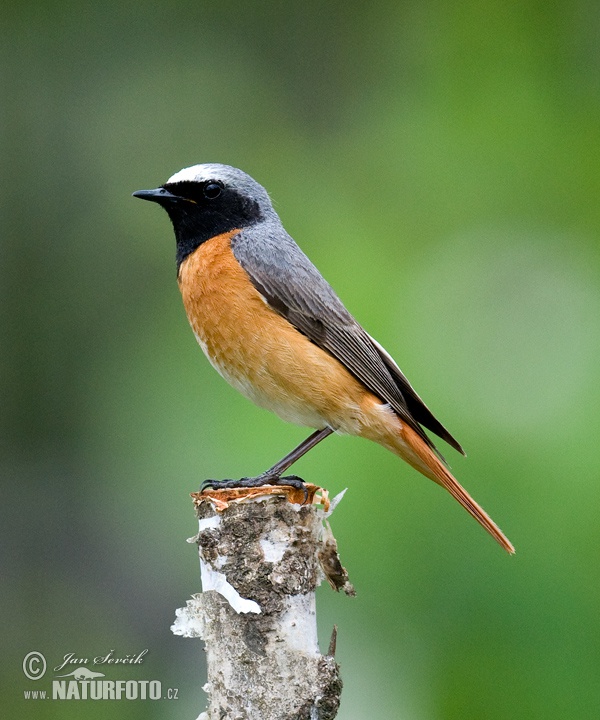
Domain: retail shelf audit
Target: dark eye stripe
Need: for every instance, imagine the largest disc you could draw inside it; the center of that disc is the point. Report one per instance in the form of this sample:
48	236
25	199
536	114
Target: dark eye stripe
195	191
185	189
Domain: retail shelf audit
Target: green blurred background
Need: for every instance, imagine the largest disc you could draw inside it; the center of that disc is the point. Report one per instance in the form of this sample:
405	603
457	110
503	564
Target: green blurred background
439	162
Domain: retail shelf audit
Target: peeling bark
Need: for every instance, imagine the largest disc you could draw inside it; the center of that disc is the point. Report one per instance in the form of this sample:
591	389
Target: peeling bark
262	556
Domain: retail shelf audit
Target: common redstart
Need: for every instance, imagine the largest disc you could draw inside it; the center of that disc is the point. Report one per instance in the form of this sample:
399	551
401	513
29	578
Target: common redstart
272	326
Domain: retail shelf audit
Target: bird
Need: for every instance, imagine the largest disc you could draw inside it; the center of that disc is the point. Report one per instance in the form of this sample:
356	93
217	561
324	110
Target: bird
275	329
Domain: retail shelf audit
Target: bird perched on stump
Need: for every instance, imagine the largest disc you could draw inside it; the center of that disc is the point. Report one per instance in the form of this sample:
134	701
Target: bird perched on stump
272	326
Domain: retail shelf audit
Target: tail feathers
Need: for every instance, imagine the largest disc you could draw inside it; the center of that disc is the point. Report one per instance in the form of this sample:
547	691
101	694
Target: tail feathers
427	463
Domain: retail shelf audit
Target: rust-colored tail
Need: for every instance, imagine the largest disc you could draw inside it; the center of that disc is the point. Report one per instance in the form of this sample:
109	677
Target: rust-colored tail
416	452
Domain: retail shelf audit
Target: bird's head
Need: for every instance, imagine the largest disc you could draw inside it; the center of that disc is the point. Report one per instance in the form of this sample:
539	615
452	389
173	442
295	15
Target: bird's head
203	201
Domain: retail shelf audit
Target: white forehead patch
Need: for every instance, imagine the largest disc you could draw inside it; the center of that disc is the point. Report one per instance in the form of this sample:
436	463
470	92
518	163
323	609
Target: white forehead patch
195	173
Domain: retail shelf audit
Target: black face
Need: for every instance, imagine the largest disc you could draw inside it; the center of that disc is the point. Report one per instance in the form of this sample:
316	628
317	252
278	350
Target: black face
201	210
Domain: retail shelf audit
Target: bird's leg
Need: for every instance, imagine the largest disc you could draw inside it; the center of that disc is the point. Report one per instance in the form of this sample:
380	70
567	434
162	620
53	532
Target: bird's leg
272	476
275	472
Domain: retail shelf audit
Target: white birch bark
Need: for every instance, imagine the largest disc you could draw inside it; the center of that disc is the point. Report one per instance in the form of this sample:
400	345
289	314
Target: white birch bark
261	560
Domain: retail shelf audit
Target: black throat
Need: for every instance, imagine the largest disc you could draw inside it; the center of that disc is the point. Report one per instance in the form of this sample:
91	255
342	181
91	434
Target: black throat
196	221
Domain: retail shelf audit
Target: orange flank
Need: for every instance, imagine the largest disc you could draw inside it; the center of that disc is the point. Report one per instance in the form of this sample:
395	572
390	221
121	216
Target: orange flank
258	351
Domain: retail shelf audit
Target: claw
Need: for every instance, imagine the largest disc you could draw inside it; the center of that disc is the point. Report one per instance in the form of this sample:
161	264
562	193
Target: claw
207	484
295	482
222	484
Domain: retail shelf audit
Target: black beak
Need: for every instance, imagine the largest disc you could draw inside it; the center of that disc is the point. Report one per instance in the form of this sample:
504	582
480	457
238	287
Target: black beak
159	195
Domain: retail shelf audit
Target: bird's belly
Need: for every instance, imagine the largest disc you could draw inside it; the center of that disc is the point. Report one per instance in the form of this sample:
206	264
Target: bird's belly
258	384
258	351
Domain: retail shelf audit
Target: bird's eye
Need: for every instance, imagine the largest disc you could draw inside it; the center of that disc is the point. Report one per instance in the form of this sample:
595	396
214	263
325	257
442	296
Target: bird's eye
212	190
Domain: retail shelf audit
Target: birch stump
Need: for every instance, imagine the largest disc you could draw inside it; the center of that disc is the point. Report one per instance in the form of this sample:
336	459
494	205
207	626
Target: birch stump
263	551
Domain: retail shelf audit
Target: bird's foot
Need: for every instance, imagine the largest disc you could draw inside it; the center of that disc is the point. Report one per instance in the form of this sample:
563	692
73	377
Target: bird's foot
252	482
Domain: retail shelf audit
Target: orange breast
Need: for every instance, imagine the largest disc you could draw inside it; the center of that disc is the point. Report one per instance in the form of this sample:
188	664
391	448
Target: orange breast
258	351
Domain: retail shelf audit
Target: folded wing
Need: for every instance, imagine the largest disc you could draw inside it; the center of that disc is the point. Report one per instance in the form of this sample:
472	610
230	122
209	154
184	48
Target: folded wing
293	287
